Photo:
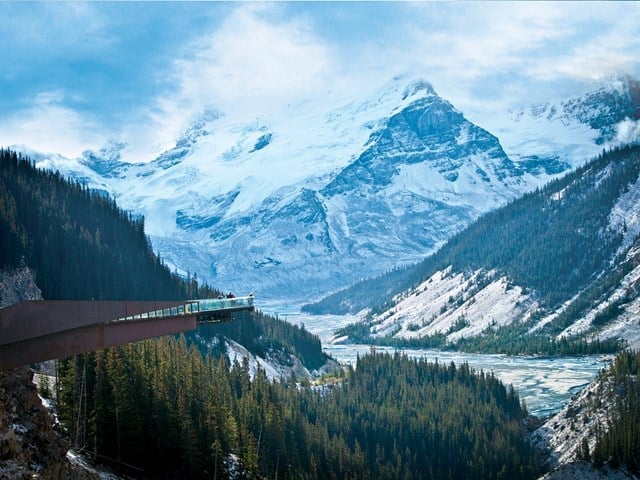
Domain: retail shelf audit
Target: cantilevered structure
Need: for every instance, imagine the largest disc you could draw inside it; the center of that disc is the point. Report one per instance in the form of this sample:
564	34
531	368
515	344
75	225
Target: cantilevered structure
37	330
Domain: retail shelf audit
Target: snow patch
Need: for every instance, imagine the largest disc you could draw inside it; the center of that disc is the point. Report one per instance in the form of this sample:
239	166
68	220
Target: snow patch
625	215
456	305
273	368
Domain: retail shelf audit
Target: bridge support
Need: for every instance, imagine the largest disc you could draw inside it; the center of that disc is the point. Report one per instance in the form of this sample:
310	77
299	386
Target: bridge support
88	339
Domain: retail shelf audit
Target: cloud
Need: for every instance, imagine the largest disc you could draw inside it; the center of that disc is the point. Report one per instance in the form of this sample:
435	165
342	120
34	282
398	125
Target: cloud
251	64
513	50
254	59
50	126
627	131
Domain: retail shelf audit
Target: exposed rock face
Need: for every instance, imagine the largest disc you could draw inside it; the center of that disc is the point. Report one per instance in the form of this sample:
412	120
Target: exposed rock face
564	434
16	286
32	446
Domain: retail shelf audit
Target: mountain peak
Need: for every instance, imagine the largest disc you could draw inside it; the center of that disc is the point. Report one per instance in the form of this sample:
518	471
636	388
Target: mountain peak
615	101
107	161
416	87
198	126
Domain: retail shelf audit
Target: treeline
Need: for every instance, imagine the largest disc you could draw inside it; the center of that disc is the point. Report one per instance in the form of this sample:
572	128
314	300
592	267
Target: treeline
79	243
506	340
166	411
618	442
515	340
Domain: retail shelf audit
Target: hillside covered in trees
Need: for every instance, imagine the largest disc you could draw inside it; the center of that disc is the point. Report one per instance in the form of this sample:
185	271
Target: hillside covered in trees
79	243
166	410
553	247
562	246
174	407
597	433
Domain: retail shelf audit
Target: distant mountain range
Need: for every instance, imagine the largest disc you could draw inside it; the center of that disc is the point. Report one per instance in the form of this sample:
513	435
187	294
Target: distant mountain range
299	205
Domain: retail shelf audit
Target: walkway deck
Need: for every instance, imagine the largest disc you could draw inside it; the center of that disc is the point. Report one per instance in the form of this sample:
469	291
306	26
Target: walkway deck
37	330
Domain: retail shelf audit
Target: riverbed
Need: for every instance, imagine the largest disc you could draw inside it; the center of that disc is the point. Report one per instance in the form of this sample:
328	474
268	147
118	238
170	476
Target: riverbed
544	383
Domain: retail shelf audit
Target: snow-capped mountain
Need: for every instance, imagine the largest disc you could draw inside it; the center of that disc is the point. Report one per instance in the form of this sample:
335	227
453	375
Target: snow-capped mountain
331	190
565	131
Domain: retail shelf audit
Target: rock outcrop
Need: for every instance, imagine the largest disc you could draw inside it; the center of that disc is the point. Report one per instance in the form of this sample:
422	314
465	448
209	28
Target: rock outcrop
32	444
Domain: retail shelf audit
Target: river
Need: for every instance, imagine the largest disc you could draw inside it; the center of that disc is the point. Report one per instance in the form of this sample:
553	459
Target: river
545	384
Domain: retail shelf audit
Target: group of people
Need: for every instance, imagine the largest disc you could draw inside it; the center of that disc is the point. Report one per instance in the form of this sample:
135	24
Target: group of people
231	295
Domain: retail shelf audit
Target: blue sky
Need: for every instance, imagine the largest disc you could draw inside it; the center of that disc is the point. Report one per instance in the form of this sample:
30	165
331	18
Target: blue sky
75	75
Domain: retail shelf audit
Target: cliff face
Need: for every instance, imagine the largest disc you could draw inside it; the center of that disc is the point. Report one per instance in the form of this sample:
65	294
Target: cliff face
571	435
31	444
18	285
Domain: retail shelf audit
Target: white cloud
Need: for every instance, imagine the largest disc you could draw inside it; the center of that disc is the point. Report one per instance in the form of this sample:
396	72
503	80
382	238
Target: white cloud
261	57
628	131
49	126
251	65
522	46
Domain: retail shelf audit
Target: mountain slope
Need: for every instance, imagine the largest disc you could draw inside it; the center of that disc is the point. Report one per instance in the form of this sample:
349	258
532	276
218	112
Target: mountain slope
566	131
561	261
598	427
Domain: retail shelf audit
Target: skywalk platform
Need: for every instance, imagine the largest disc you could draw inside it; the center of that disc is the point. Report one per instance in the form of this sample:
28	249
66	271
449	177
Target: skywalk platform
37	330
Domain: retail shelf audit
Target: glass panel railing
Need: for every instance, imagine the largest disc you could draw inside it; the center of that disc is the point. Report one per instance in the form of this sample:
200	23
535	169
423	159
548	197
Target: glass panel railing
213	304
195	306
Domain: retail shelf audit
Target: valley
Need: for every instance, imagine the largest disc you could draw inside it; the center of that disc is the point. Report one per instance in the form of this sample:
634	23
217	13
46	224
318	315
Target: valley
545	384
434	205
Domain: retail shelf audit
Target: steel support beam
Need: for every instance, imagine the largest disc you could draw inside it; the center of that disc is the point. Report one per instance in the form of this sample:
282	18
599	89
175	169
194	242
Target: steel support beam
37	330
90	338
37	318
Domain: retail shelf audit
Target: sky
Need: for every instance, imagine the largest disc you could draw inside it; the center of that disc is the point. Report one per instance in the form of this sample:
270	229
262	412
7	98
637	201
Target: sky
76	75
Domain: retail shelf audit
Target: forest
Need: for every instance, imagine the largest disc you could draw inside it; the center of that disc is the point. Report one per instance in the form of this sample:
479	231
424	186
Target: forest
617	436
164	410
618	441
79	243
174	407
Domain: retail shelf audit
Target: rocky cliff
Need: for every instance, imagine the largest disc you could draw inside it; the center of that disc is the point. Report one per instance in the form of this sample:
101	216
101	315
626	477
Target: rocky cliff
32	444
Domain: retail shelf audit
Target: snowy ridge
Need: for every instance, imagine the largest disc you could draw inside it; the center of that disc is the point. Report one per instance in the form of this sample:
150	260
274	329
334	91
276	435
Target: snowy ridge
456	305
569	130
